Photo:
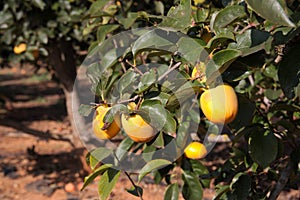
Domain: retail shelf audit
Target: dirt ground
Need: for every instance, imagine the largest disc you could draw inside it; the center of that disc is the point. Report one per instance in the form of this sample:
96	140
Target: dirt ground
33	167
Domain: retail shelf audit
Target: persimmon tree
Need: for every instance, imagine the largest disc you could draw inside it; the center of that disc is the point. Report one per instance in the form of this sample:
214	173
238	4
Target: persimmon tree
146	52
46	34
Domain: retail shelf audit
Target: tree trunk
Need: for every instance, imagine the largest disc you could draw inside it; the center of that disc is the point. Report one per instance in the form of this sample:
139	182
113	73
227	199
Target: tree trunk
62	61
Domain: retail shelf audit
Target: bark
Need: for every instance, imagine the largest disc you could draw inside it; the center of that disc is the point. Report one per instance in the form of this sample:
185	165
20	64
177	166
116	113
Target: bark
63	62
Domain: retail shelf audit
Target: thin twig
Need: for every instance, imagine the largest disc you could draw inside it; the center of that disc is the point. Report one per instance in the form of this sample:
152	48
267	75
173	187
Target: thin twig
123	65
168	71
282	181
134	67
129	100
130	179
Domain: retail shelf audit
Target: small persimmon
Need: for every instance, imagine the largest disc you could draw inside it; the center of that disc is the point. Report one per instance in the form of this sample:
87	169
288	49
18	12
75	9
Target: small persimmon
195	150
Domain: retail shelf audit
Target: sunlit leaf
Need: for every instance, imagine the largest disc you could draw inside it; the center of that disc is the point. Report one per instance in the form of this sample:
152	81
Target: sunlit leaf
271	10
152	165
172	192
107	182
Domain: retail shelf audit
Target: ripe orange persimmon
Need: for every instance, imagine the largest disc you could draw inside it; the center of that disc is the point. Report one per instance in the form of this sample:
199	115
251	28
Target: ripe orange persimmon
20	48
195	150
136	127
219	104
98	124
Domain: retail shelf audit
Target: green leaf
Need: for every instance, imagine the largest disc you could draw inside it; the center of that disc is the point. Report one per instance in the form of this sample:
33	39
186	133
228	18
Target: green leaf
97	6
109	51
123	148
147	79
85	110
272	11
189	49
156	39
182	135
129	20
192	189
178	17
273	94
107	182
263	147
103	30
172	192
113	111
199	169
246	110
136	191
226	16
221	190
152	165
93	175
241	186
221	38
148	152
219	63
98	155
39	4
289	71
127	83
159	7
156	115
43	37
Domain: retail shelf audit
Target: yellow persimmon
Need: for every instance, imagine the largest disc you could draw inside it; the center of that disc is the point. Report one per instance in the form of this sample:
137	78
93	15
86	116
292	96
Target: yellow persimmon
98	125
136	127
219	104
20	48
195	150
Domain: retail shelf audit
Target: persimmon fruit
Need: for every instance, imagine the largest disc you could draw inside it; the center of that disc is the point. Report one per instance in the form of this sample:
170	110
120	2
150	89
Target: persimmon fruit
219	104
195	150
99	128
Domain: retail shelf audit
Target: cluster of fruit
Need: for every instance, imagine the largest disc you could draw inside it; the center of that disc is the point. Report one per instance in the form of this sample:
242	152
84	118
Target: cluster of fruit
219	105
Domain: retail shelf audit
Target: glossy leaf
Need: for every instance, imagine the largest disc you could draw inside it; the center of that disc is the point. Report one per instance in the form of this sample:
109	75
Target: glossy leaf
107	182
97	6
192	189
147	79
220	62
153	165
222	37
263	147
129	20
103	30
85	110
271	10
172	192
241	186
189	49
158	39
39	3
93	175
113	111
288	72
178	17
136	191
123	148
226	16
156	115
98	155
